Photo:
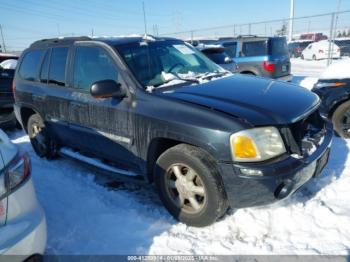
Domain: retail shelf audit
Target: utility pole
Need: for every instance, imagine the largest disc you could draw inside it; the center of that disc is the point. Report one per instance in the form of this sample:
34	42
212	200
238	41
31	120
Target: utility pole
291	20
144	17
92	32
2	38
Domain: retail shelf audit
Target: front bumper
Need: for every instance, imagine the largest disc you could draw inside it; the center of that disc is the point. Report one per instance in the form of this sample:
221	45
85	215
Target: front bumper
280	180
25	231
287	78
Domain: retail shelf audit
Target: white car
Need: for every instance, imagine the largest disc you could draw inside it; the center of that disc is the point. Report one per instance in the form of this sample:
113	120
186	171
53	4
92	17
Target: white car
320	50
22	220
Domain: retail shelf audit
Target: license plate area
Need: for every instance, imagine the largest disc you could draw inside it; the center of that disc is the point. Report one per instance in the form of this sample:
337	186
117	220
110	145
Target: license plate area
284	68
322	162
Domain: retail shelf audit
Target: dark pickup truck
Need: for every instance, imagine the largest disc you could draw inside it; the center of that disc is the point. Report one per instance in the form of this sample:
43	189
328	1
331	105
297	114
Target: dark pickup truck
7	116
158	109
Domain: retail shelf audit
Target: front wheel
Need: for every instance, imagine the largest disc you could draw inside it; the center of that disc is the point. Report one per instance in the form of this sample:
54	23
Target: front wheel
314	57
302	57
190	185
341	120
39	137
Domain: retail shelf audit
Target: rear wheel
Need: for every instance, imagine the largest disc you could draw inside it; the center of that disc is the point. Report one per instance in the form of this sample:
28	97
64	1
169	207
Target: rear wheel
302	57
341	120
190	186
39	137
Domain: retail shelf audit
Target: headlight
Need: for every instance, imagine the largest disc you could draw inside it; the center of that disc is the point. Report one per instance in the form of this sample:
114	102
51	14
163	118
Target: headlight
257	144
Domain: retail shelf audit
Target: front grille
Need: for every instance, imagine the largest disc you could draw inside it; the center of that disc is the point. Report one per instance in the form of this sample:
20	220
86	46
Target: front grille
304	136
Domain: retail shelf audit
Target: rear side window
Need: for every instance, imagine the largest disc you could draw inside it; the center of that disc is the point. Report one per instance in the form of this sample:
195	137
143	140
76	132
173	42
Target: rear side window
58	65
30	65
256	48
92	64
231	49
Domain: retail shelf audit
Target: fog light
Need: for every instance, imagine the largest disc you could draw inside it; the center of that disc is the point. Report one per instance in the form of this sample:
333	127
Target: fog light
251	172
284	189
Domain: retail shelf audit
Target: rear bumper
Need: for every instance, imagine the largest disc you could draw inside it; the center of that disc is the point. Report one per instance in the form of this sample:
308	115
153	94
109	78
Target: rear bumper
25	231
287	78
280	180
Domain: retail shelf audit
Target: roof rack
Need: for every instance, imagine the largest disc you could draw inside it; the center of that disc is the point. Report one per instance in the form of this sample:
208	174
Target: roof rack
59	40
242	36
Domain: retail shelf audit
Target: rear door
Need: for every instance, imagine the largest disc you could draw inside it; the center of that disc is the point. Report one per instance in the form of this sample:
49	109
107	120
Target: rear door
55	96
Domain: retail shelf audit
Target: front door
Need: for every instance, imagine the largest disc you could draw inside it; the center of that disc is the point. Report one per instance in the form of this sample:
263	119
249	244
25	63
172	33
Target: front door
102	123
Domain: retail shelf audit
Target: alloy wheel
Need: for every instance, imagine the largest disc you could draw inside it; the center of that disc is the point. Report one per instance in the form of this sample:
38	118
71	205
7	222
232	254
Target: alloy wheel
185	188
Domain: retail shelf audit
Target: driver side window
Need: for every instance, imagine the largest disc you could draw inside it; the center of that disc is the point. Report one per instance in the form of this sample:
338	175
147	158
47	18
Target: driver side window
92	64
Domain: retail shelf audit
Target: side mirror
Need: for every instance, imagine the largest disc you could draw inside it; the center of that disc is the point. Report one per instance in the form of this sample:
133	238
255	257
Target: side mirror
106	89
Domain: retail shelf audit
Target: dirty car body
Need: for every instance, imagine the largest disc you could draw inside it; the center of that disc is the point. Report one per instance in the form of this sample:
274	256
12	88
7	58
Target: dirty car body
197	104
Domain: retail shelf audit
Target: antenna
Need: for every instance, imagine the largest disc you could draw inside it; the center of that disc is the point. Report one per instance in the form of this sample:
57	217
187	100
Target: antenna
144	17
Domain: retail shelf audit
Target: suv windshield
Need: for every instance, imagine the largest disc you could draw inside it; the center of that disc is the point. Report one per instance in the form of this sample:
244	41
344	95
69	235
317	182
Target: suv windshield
278	46
156	63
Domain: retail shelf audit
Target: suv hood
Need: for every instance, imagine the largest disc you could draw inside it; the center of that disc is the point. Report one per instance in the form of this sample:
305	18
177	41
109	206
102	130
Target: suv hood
257	100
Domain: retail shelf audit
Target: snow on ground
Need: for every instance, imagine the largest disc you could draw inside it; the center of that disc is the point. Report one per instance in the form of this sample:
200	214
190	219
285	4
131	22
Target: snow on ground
307	67
90	213
87	216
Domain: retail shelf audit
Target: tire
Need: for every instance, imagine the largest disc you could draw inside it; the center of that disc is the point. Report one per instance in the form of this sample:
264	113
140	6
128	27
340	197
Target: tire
39	137
196	169
314	57
341	120
302	57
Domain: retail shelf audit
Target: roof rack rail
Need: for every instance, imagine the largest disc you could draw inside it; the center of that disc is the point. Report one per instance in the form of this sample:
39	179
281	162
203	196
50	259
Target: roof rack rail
242	36
59	40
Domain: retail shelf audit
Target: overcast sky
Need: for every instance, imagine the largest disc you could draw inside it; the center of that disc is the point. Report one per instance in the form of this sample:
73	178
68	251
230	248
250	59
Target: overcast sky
25	21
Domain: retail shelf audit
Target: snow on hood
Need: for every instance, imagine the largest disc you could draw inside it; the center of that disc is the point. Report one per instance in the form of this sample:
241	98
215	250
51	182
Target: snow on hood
9	64
337	70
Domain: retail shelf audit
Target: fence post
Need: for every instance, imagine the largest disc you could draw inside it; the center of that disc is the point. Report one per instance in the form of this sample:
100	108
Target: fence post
329	60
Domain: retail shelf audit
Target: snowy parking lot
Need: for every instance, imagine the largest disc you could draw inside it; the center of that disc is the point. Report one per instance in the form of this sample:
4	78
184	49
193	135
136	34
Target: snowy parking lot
90	213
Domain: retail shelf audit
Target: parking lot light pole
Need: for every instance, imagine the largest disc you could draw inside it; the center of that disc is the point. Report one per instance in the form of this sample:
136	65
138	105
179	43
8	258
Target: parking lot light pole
291	20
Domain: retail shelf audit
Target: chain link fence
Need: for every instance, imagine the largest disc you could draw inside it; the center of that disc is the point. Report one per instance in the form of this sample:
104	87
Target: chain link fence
333	29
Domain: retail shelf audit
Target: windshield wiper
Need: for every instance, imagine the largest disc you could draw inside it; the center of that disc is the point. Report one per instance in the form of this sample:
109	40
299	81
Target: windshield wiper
188	80
214	74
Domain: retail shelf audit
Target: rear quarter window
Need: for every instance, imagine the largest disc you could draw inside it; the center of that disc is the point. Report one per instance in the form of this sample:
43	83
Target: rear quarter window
254	48
30	65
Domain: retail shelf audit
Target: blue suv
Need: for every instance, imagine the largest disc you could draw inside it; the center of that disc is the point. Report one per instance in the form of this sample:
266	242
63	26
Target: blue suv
260	56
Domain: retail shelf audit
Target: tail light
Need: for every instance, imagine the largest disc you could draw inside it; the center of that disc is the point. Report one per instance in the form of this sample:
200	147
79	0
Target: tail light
18	172
321	51
13	88
270	67
338	50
